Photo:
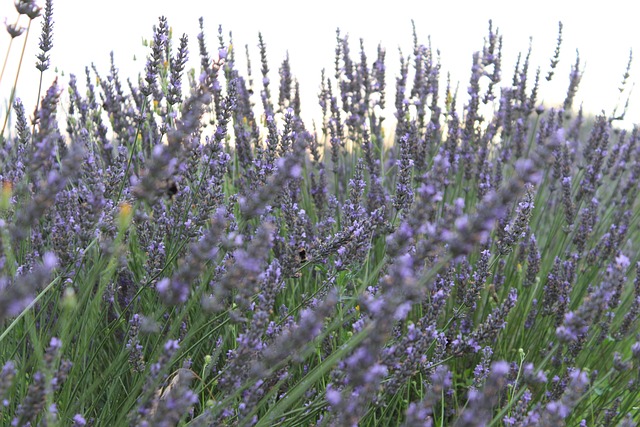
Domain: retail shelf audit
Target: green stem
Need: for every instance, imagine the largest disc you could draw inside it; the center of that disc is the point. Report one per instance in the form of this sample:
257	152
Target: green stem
15	82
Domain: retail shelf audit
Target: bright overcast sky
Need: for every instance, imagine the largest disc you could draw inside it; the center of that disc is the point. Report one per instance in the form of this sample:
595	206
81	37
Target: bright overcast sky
86	31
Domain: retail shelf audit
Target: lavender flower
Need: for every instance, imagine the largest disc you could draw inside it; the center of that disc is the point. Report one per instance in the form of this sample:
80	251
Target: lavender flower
46	38
22	127
556	55
28	7
265	94
408	356
481	403
421	413
136	356
251	342
574	81
177	289
165	160
588	219
14	30
557	411
481	371
284	97
632	315
494	323
594	154
293	340
404	194
475	230
173	401
18	292
205	60
150	399
516	230
154	62
601	298
79	421
6	379
34	402
174	94
287	168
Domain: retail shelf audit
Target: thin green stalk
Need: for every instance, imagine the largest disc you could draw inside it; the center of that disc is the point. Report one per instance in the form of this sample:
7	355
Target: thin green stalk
15	81
38	297
6	57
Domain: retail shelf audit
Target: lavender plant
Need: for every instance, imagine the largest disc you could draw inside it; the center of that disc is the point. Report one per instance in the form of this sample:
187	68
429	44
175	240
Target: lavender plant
190	259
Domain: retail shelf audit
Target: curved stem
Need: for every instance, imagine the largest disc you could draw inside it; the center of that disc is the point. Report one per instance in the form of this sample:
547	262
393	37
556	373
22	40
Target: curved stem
6	58
35	111
15	82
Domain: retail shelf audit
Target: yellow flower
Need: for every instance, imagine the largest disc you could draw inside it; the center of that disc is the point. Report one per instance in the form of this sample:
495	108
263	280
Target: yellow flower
125	215
5	194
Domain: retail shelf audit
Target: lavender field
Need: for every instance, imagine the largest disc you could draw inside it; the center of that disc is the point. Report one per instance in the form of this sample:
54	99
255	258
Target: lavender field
185	250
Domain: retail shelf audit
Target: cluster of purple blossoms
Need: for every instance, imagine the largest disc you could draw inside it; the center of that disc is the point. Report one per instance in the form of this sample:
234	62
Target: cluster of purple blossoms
207	262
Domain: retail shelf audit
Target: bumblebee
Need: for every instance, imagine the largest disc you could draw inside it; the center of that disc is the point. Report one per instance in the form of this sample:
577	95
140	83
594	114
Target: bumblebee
170	188
302	255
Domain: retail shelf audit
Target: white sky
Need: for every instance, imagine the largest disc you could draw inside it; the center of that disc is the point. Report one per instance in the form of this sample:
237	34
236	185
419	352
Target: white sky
86	31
